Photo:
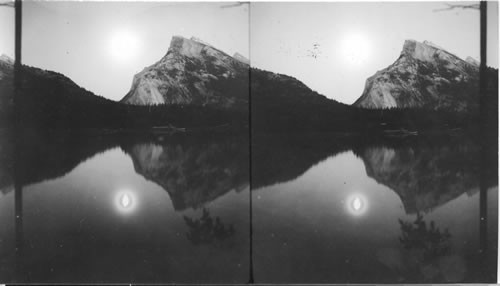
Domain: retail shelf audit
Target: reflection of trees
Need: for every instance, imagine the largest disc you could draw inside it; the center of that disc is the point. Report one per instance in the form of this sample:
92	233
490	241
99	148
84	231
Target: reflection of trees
206	230
6	161
428	238
278	158
427	256
47	154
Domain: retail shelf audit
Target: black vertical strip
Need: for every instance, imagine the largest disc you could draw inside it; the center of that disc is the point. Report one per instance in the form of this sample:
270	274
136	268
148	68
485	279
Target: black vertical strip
251	278
483	199
18	32
17	56
18	195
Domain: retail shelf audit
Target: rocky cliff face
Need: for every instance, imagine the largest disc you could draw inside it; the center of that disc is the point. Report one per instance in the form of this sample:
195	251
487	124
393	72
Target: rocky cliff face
424	75
193	173
192	72
424	178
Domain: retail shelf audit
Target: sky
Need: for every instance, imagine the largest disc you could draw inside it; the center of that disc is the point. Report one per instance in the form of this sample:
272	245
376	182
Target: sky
7	26
334	47
331	47
492	34
101	46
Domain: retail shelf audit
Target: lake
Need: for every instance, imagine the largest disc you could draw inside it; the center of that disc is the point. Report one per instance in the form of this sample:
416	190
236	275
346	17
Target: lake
372	210
115	208
103	206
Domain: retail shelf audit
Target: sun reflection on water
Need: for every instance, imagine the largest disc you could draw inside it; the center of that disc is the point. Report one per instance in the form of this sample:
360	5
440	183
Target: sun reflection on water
356	205
125	202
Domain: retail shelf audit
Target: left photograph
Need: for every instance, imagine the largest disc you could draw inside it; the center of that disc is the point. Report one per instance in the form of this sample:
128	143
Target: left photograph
125	158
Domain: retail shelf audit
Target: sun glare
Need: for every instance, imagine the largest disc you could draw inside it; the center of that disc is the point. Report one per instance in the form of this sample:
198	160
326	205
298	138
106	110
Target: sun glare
356	205
355	49
123	46
125	202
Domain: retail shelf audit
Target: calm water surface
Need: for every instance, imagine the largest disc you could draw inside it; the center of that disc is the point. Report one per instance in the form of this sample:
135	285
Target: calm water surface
99	207
162	210
362	213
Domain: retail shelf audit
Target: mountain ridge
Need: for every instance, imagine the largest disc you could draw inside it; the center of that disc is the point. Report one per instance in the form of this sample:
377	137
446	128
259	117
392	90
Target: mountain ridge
192	72
424	75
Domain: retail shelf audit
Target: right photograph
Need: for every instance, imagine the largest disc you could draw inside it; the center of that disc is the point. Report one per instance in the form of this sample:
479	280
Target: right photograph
374	142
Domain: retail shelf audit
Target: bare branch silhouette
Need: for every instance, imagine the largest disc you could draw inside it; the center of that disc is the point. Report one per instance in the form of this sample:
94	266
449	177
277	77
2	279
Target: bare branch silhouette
238	4
458	6
7	4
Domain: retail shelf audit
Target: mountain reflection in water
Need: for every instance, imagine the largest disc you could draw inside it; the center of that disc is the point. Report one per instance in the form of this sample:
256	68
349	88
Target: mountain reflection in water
373	210
114	207
194	173
192	170
207	230
121	207
424	178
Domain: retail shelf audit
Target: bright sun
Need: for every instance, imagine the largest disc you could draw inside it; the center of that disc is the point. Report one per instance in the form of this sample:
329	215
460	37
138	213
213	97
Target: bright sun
123	46
355	49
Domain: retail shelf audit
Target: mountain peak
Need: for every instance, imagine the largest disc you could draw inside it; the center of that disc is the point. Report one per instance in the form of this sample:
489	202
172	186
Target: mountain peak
200	41
192	72
427	51
424	75
429	43
422	51
192	47
192	40
409	45
185	46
